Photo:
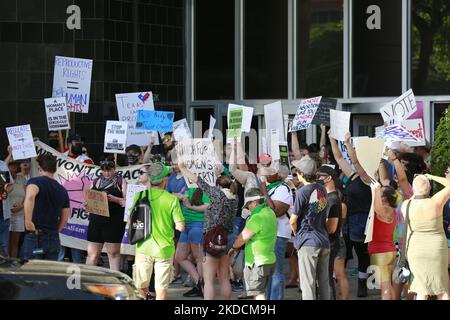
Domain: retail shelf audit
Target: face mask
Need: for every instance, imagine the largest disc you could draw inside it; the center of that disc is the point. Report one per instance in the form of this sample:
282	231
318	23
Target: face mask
132	159
321	182
77	149
53	143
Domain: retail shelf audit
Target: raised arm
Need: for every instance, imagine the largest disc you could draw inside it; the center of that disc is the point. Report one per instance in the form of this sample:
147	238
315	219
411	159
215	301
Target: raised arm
343	164
442	196
148	153
359	169
295	146
188	174
323	137
403	182
240	175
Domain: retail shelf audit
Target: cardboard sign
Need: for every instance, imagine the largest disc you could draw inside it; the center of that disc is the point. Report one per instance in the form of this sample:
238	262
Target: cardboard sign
247	116
199	157
72	80
212	123
404	106
132	190
21	140
397	132
115	137
235	118
181	130
323	112
339	123
284	154
96	202
305	114
57	116
273	116
128	105
154	120
415	127
369	152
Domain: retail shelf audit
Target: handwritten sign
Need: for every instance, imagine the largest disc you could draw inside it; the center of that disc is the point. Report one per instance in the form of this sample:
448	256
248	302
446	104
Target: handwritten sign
21	140
154	120
234	124
181	130
199	157
305	114
415	127
96	202
128	105
57	116
404	106
132	190
397	132
72	79
323	112
115	137
340	124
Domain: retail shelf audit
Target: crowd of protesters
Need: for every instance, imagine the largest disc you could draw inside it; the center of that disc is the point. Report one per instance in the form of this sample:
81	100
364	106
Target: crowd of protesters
314	212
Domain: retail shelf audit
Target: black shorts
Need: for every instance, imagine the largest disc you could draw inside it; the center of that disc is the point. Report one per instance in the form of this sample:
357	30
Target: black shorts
110	232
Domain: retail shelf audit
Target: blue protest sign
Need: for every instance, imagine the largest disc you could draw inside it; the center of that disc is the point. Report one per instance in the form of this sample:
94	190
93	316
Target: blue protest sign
154	120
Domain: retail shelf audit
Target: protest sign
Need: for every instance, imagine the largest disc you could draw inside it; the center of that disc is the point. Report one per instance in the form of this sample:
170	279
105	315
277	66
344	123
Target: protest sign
235	118
340	124
369	152
199	157
181	130
57	115
397	132
415	127
72	80
132	190
370	219
273	116
96	202
305	114
323	112
212	123
284	154
274	149
127	106
21	141
154	120
115	137
75	177
404	106
247	115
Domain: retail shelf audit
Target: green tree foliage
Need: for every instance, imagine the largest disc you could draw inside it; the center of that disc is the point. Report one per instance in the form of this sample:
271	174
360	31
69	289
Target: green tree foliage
440	153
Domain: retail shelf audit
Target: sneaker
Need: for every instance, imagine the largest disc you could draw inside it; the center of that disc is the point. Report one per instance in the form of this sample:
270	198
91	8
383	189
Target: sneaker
195	291
188	282
176	279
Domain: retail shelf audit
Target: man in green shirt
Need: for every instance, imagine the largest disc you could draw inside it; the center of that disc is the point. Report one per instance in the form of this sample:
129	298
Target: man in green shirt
156	252
259	237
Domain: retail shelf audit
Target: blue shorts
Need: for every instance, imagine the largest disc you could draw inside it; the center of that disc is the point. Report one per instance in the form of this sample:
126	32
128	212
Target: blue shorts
193	233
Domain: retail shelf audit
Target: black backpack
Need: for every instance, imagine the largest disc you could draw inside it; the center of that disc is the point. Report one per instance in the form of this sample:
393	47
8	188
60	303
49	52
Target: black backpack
140	219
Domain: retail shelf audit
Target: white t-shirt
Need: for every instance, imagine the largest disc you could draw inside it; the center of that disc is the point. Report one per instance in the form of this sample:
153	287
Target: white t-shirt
283	194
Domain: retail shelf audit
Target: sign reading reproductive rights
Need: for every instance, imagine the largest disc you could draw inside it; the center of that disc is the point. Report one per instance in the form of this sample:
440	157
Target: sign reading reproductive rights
21	141
305	114
57	116
154	120
72	79
115	137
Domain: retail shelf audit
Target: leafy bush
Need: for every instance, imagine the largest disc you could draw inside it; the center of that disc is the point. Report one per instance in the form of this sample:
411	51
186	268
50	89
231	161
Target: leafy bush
440	153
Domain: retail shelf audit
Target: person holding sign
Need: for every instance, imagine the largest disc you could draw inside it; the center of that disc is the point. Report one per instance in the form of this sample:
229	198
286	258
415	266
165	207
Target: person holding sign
107	231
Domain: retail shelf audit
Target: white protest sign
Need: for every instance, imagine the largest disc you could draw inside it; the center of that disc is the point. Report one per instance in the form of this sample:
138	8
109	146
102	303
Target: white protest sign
115	137
275	144
305	114
72	79
404	106
397	132
127	106
21	141
199	157
181	130
369	152
247	115
212	123
57	116
415	127
340	124
132	190
273	116
370	220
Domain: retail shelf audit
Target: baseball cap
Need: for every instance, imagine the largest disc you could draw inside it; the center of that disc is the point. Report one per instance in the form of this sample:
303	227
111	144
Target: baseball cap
252	195
328	170
265	158
306	165
158	171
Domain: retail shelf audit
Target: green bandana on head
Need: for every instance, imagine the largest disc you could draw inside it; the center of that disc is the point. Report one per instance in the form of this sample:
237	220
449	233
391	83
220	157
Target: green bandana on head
165	172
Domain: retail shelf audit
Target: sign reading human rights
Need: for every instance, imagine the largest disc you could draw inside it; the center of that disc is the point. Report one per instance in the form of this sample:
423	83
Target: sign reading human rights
72	79
57	115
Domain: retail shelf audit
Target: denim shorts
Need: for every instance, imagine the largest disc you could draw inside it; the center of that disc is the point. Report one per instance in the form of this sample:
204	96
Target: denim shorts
356	226
193	233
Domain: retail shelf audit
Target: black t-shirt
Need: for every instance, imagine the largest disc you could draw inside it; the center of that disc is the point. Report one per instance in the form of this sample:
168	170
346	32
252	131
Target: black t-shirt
1	209
334	210
50	200
359	197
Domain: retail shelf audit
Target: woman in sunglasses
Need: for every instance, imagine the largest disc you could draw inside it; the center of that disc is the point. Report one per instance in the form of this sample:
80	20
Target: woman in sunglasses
108	231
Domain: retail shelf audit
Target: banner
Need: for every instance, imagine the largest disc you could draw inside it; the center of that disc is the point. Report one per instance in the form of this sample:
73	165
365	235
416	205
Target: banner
75	177
72	79
305	114
128	105
404	106
273	117
132	190
96	202
21	141
199	157
57	114
323	112
154	120
115	137
181	130
369	152
235	118
415	127
340	124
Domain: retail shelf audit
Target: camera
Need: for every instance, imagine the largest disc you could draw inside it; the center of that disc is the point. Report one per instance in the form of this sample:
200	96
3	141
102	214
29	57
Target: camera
4	182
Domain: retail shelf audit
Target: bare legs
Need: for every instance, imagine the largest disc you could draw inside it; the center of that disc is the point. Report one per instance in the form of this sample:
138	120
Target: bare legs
94	251
341	276
211	268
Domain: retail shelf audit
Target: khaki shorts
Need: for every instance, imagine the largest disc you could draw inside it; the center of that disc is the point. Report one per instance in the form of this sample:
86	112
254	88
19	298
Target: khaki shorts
143	269
257	277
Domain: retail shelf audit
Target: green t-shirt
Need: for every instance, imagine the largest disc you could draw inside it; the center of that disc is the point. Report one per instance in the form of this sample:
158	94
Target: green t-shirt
192	215
166	211
260	249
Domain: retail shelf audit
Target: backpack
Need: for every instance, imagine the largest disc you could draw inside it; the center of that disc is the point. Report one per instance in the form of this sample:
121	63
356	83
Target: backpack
215	241
140	219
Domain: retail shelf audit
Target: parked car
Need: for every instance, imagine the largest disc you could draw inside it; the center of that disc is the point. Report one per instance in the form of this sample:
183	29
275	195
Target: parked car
42	279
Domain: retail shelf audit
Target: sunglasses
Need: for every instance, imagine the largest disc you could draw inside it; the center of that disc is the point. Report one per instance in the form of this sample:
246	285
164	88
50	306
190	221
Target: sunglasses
107	164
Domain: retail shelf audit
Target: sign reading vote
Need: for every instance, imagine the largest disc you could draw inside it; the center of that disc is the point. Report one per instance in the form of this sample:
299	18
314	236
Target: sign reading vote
154	120
57	116
305	114
72	79
404	106
21	141
323	112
